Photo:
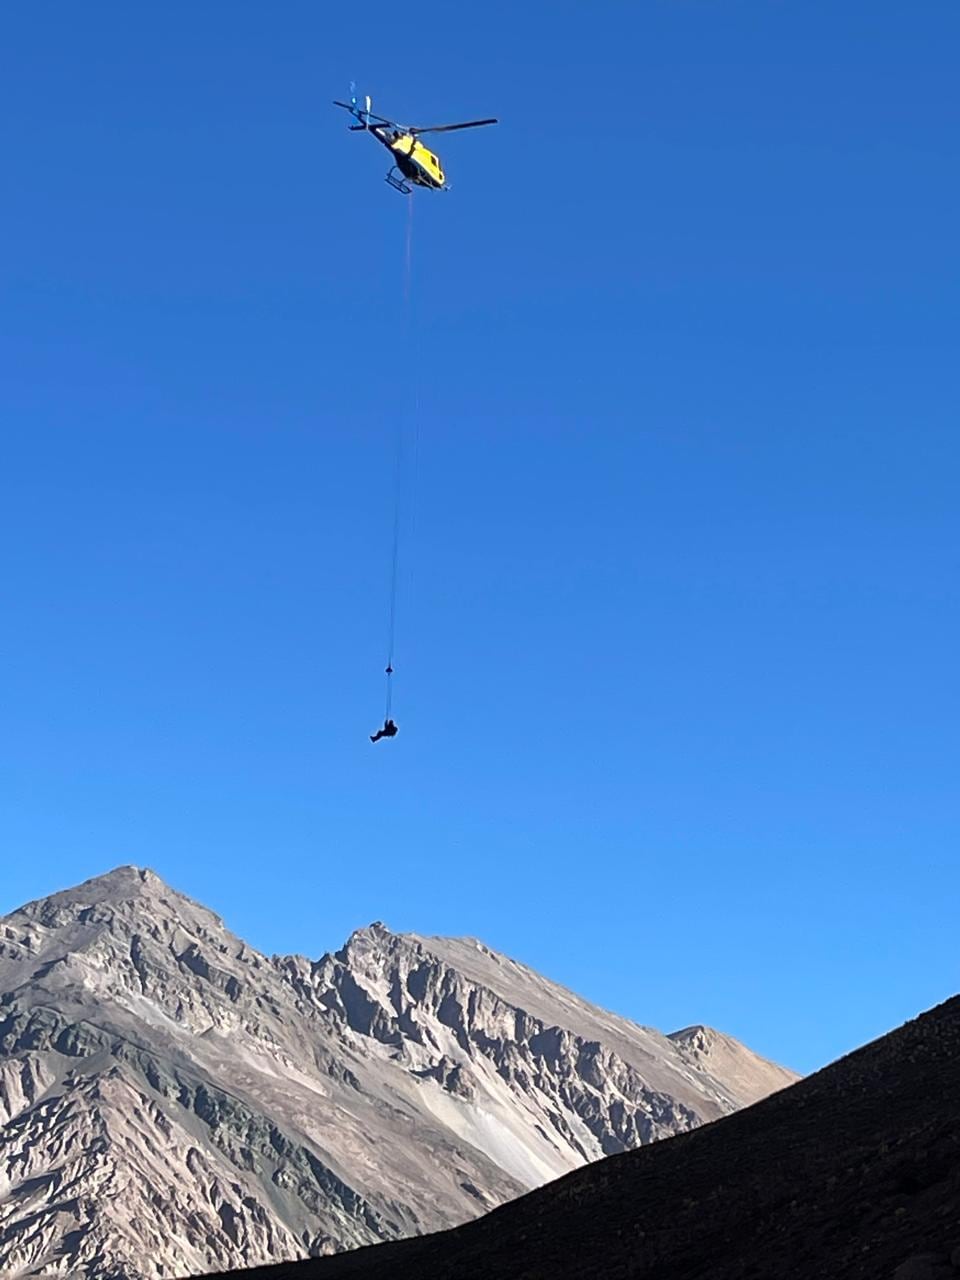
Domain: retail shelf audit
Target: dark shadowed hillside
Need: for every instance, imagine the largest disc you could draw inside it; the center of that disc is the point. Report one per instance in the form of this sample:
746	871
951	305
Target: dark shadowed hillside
854	1172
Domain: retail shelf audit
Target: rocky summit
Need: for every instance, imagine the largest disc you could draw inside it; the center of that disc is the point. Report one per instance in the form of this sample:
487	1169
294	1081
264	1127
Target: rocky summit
173	1102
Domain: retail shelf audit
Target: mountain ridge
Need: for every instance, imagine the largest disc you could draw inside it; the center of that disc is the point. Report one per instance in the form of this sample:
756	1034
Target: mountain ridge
289	1107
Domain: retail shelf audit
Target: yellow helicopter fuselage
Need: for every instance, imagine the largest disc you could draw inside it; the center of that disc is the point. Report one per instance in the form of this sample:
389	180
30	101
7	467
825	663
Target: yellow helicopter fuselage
417	163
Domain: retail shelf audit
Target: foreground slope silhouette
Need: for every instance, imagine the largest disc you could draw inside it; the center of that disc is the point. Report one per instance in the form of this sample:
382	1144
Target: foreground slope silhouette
853	1172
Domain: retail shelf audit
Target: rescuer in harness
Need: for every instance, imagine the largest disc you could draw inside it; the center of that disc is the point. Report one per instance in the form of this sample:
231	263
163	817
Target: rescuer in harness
389	730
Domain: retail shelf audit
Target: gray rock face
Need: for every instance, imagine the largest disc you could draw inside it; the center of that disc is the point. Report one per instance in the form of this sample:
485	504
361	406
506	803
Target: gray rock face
173	1102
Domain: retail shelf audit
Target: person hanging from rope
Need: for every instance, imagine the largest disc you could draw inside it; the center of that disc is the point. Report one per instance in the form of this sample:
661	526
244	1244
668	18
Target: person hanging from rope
389	730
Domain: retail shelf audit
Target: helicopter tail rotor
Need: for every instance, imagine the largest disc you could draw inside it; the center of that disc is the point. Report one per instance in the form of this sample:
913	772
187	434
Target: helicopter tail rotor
364	114
360	113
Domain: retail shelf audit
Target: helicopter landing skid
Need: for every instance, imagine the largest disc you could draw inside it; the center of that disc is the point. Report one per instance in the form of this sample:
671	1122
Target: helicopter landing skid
396	180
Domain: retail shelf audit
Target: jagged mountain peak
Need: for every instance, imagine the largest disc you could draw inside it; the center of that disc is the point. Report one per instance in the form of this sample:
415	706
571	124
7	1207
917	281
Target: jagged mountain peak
714	1051
126	946
697	1033
119	884
459	970
374	934
124	893
125	883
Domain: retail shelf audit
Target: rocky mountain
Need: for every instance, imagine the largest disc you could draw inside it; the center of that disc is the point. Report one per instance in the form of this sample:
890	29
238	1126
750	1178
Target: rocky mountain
851	1174
173	1102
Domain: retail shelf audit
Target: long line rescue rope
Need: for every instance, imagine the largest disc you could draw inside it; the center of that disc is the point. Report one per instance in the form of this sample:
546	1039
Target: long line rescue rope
399	467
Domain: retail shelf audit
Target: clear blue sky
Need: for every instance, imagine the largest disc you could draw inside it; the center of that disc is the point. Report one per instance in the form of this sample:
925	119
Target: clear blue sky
678	631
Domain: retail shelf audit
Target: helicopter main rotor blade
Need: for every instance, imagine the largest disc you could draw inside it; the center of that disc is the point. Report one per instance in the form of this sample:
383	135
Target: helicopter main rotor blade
448	128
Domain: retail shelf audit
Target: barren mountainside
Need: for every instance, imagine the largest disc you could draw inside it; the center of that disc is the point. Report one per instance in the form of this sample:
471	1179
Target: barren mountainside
173	1102
850	1174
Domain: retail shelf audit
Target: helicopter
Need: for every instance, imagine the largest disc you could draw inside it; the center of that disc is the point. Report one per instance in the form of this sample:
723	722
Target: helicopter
414	165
